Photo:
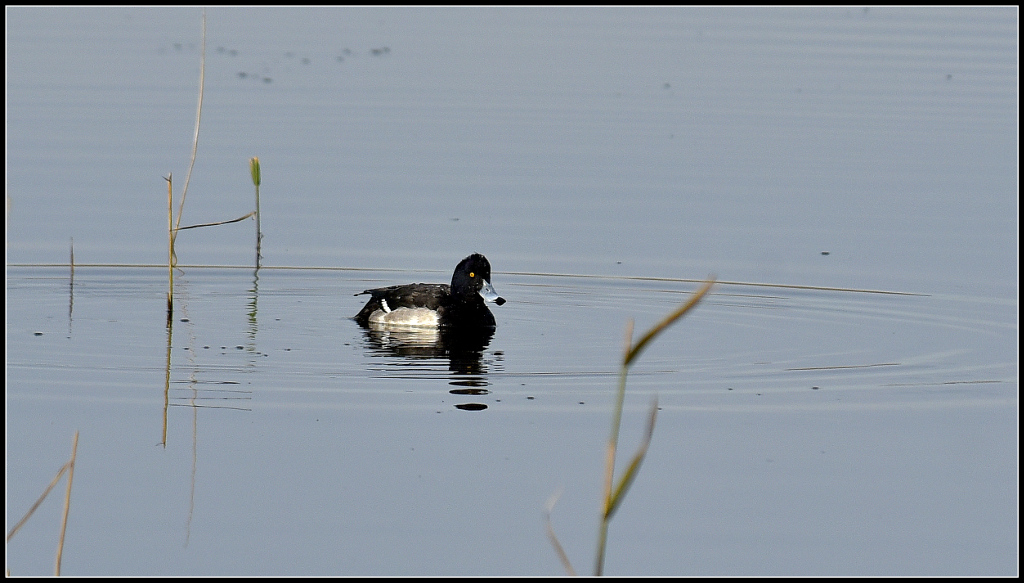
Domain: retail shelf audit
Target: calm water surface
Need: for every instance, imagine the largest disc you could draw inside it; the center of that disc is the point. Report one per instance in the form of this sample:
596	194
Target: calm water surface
844	403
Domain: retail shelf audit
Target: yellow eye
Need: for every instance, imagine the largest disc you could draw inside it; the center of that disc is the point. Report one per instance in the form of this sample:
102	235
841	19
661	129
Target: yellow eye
471	274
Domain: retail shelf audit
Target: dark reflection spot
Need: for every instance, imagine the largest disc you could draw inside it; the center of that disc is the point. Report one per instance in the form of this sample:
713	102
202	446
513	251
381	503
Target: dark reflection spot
471	406
476	382
814	388
184	320
824	252
469	392
37	333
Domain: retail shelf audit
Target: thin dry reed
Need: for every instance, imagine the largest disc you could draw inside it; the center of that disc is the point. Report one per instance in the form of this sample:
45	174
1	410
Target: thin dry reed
68	467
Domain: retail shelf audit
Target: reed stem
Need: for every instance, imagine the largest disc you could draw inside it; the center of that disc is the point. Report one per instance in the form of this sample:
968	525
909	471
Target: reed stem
170	248
67	504
254	169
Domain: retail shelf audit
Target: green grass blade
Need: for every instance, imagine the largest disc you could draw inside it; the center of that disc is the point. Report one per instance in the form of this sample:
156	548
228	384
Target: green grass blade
668	321
634	465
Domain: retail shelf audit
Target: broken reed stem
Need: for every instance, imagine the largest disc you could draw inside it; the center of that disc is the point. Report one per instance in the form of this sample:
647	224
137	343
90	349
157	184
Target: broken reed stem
67	504
218	223
42	497
562	556
71	285
68	467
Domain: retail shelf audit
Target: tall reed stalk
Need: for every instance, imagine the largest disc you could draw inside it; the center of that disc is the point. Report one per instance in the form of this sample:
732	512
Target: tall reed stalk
174	223
170	248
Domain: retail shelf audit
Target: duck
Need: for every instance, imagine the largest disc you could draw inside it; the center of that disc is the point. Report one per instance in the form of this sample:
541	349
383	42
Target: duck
460	305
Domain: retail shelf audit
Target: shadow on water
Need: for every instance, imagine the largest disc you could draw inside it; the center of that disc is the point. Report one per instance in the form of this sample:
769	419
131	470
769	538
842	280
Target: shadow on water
462	349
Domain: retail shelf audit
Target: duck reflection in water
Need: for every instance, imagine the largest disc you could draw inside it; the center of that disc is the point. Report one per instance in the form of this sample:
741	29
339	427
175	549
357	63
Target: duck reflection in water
464	349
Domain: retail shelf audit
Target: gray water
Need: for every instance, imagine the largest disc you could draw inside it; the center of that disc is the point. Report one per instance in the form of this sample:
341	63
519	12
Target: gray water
844	403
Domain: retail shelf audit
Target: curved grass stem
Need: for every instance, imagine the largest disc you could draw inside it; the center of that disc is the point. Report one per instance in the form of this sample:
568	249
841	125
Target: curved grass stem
615	493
